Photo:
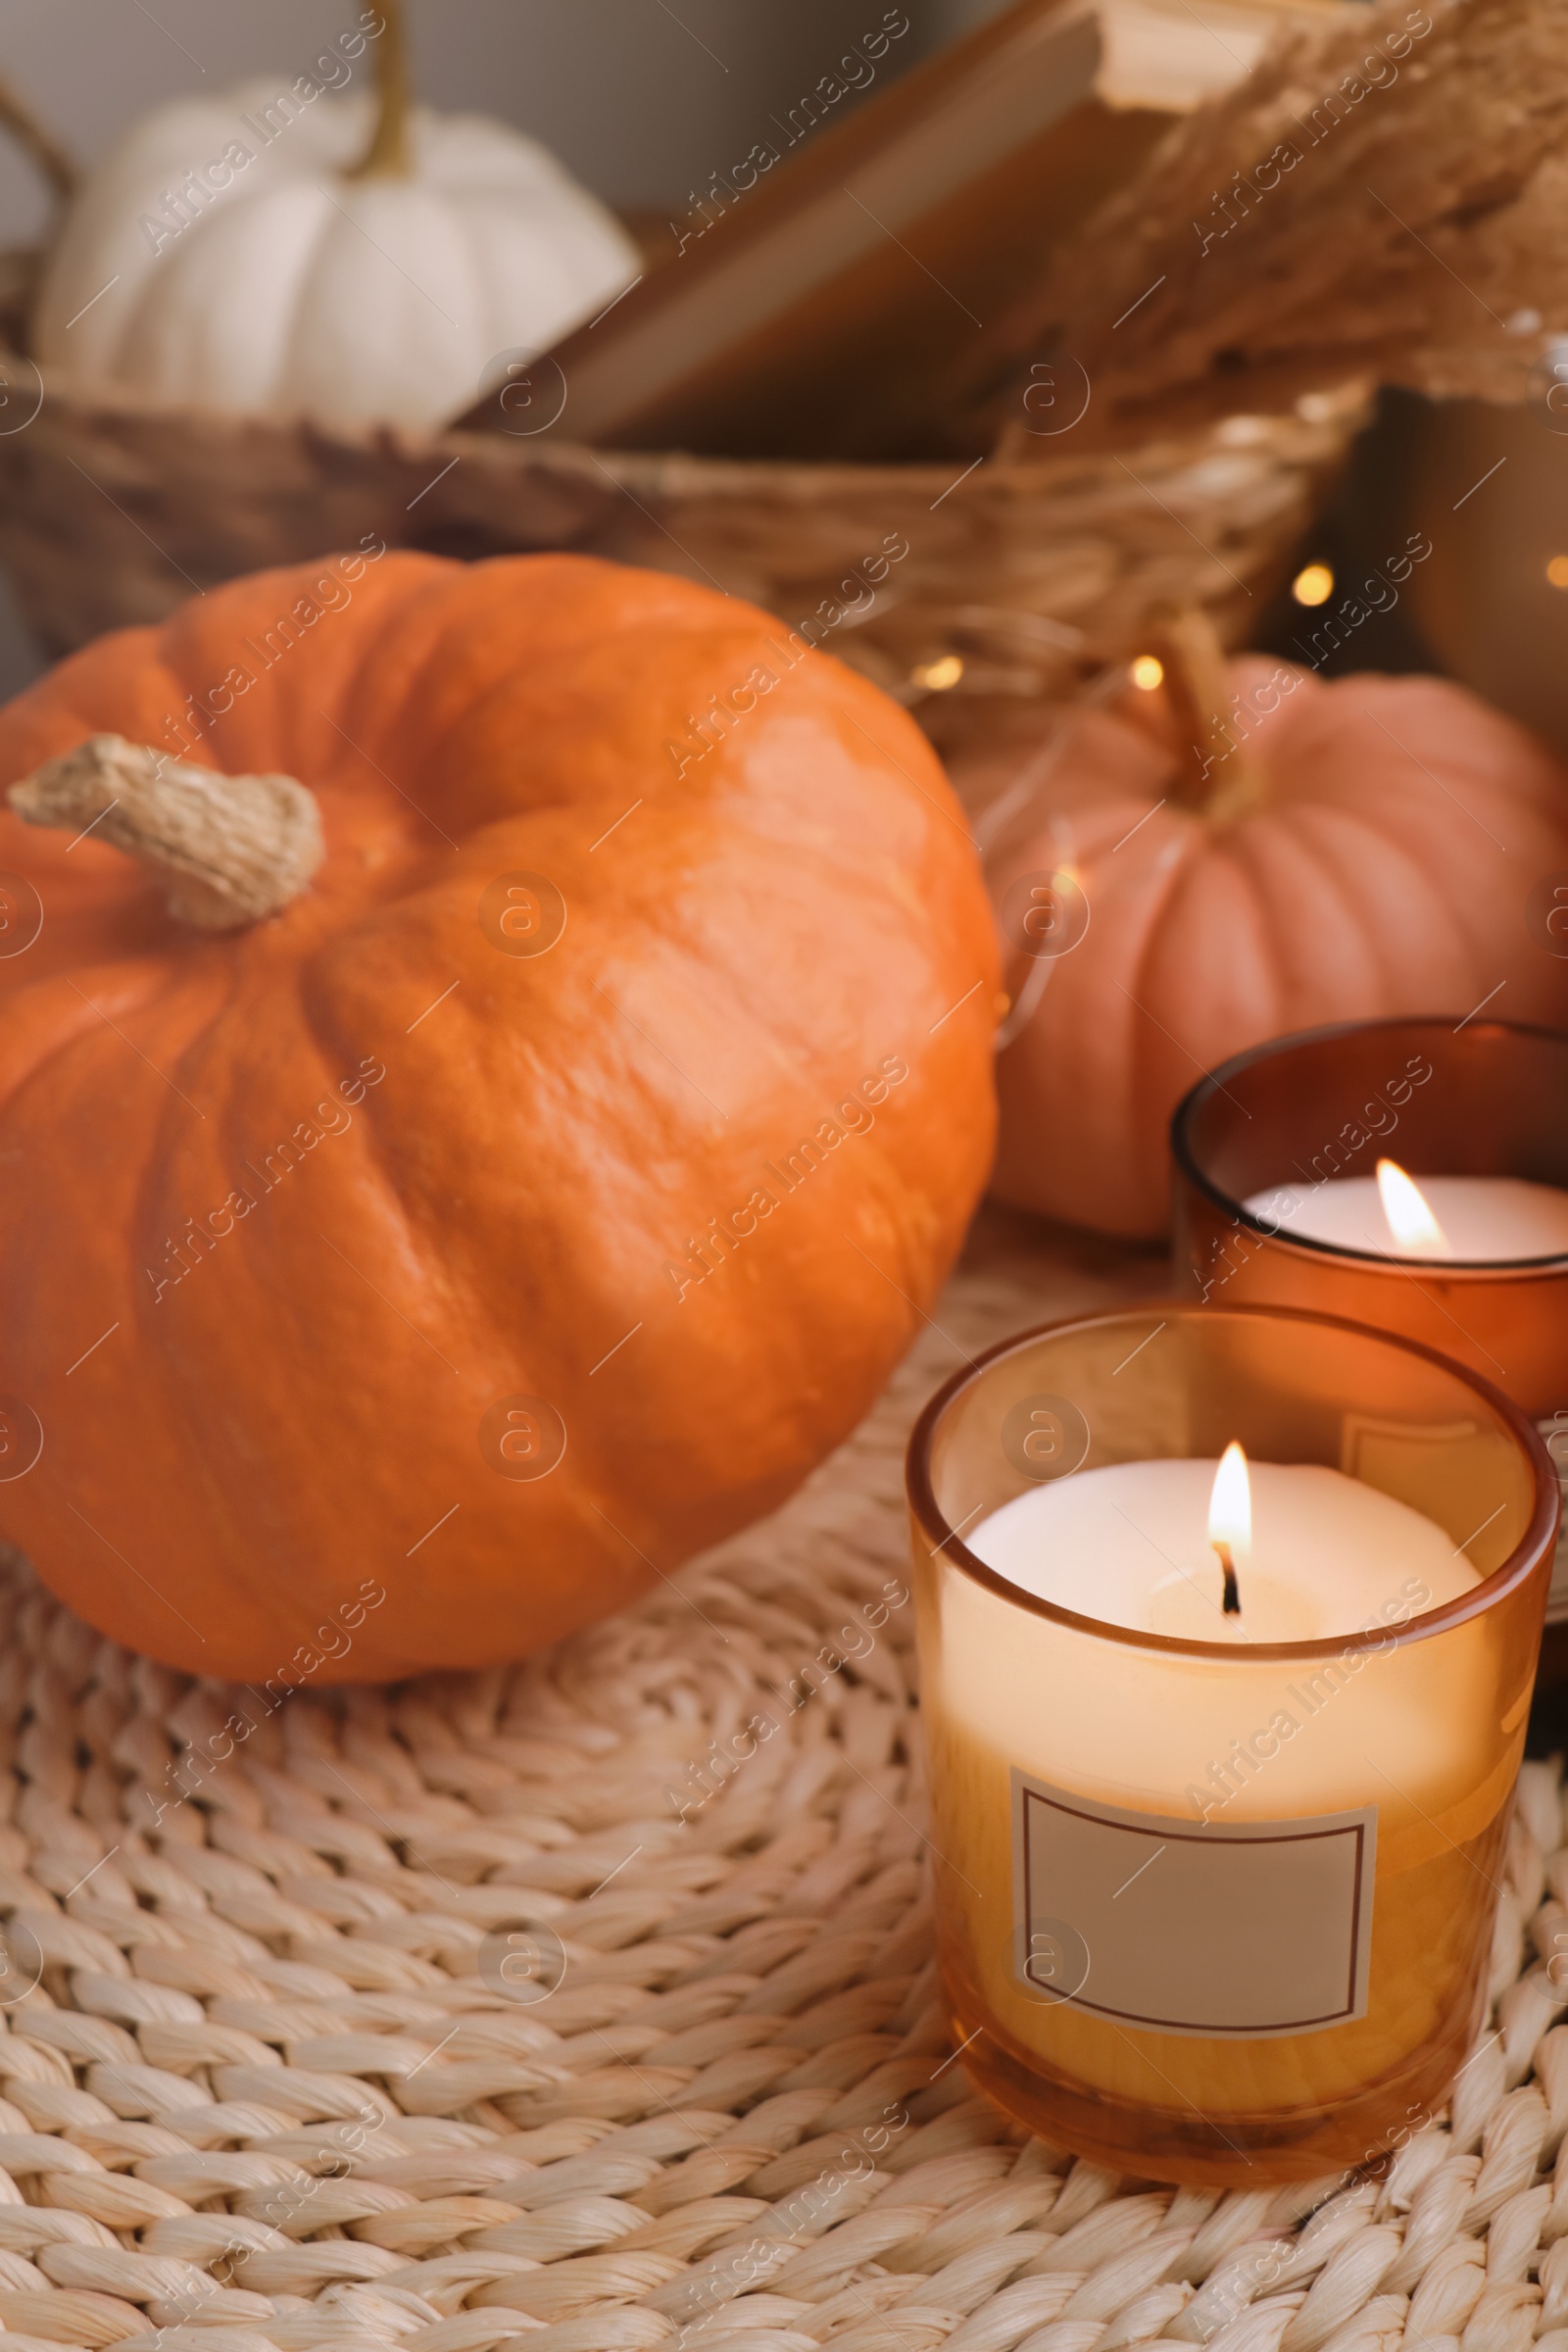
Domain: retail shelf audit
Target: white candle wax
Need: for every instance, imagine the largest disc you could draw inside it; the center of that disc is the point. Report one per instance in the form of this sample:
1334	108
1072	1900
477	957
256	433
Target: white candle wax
1485	1220
1128	1544
1414	1741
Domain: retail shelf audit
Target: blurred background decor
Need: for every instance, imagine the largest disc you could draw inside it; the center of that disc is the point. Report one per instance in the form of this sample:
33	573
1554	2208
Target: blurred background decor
1021	573
639	104
1168	881
990	368
290	269
1416	238
1381	200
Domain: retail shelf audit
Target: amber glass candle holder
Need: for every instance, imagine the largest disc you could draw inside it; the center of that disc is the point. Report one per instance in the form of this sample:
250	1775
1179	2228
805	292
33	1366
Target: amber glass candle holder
1210	1912
1488	1099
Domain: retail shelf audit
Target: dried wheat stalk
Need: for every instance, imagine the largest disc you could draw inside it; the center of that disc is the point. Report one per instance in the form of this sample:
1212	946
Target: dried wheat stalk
1385	198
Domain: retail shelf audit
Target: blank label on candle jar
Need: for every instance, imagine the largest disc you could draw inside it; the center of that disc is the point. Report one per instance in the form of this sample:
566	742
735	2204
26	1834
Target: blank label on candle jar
1245	1929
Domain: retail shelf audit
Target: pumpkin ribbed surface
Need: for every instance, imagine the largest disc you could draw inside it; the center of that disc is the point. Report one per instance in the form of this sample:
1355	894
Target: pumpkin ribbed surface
540	1194
271	2097
1389	863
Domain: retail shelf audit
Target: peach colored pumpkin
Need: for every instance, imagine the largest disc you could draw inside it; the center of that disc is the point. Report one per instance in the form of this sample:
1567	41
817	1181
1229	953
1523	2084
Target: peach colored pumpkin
1385	866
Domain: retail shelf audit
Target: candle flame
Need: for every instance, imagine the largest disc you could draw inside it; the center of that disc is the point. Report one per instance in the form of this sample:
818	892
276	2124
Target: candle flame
1410	1218
1230	1507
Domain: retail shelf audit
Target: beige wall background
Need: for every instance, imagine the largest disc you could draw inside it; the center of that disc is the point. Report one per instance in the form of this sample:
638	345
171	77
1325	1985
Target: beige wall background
644	98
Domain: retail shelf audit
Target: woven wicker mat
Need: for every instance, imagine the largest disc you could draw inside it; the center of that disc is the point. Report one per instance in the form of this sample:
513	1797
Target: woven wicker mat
286	2079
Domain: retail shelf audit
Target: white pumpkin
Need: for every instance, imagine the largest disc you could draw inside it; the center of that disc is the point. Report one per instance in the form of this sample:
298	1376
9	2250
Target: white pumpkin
237	254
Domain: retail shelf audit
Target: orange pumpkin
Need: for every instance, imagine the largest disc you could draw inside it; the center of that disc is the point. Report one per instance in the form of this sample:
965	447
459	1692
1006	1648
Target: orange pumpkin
412	1276
1363	848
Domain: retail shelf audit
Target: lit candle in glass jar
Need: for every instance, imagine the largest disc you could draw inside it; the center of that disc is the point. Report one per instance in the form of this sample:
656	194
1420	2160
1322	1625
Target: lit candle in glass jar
1215	1886
1288	1193
1277	1201
1459	1220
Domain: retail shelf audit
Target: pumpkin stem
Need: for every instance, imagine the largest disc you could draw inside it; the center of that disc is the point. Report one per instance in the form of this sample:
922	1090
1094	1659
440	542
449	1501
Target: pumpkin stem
1199	687
231	849
390	153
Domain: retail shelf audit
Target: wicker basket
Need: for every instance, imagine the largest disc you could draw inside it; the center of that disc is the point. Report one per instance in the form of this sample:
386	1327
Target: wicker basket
1033	571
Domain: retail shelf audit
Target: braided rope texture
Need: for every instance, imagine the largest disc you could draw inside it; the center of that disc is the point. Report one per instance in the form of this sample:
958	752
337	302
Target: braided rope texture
564	2006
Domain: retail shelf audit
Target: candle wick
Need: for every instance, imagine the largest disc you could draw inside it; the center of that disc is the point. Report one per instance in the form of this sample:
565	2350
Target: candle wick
1233	1599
